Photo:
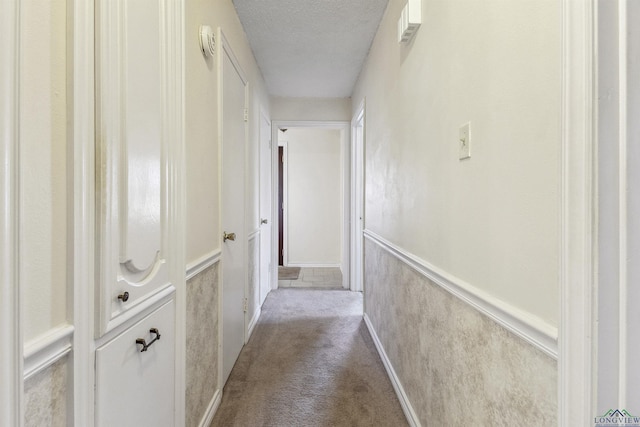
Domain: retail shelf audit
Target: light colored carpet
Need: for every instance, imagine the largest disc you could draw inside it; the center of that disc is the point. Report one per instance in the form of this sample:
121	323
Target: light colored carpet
288	273
310	362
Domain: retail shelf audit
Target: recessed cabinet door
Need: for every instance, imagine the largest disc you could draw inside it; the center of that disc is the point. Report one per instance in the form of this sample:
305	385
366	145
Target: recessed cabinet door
138	118
135	387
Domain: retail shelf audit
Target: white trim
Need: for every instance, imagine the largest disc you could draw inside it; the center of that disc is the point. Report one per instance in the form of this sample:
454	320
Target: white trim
275	237
285	198
578	228
532	329
623	247
201	264
44	351
11	382
149	306
409	413
302	265
356	200
253	234
176	178
83	137
211	409
252	323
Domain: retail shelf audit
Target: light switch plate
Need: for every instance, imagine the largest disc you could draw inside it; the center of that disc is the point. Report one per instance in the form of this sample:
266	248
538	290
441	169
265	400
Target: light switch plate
464	142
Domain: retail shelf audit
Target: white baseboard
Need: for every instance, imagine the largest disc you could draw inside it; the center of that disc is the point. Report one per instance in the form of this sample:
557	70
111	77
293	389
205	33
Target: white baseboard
293	264
412	417
47	349
532	329
253	322
211	409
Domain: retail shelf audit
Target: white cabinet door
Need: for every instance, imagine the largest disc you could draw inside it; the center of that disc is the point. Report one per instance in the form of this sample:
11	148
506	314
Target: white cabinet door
138	126
134	387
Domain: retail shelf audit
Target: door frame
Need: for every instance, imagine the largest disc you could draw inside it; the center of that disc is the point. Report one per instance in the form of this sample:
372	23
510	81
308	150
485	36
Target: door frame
285	203
11	346
357	199
345	229
83	200
265	273
578	251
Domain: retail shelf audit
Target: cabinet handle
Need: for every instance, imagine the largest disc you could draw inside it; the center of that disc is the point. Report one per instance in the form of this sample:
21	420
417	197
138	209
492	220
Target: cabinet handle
144	344
124	297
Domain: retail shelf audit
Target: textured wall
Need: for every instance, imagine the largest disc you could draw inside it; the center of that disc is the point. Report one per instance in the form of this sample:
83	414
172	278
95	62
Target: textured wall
45	397
202	343
201	124
493	220
326	109
314	204
458	367
43	180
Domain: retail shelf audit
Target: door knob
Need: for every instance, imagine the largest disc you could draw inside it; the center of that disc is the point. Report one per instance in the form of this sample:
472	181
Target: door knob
264	221
228	236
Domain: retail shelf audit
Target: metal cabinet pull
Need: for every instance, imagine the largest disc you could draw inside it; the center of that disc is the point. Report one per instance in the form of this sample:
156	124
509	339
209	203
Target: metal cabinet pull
264	221
124	297
228	236
144	344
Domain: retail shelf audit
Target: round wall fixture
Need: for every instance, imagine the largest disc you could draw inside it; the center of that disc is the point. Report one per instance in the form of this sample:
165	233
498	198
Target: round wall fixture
207	41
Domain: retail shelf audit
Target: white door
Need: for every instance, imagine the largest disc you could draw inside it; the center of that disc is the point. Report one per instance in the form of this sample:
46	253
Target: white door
234	248
266	223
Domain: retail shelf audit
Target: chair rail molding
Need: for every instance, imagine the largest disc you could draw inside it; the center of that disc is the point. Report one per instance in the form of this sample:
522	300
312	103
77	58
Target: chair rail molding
11	381
46	350
577	278
530	328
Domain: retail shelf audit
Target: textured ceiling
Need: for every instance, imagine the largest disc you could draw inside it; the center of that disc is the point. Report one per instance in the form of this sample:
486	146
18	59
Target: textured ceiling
310	48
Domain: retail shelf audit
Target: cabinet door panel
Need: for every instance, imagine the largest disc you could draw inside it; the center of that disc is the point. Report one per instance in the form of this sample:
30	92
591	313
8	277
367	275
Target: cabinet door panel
137	117
135	388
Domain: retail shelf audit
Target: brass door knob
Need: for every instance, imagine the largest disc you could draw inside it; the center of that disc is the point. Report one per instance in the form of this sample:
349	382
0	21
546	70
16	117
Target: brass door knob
228	236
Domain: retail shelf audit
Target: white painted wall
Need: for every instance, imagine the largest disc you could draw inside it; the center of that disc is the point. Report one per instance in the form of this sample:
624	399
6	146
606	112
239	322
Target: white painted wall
201	105
305	109
491	221
314	185
43	186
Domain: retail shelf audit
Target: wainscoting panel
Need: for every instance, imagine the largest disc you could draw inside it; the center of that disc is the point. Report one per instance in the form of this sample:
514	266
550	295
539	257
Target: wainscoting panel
202	345
45	396
456	365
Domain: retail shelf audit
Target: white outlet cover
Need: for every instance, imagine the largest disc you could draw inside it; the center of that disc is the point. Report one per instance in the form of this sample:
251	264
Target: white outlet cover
464	142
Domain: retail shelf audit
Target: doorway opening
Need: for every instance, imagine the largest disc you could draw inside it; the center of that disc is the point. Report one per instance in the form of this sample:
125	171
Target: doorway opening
313	198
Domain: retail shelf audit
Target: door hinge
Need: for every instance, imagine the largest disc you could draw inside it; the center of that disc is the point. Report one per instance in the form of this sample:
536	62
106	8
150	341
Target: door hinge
245	305
246	114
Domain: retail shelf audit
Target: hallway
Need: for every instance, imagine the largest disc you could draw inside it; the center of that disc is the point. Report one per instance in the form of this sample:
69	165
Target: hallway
310	362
